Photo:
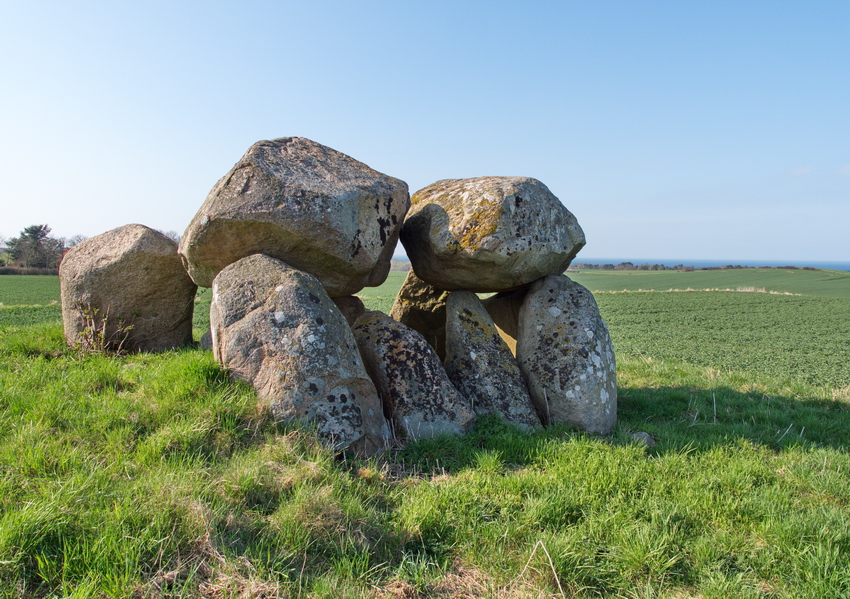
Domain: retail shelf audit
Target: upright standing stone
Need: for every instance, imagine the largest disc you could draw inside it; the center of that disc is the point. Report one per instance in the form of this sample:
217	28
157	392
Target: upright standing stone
423	308
566	355
413	384
481	366
293	199
351	307
275	327
489	233
129	284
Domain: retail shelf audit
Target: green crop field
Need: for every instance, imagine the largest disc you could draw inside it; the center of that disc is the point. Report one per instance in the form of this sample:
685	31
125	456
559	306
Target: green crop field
157	476
382	298
828	283
28	290
795	337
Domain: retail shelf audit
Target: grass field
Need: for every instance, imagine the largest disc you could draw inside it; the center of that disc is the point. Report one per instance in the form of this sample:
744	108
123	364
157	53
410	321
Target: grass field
825	283
157	476
788	337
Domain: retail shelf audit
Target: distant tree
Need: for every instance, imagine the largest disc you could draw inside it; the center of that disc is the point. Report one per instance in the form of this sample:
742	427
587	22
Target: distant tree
5	256
172	235
35	248
75	240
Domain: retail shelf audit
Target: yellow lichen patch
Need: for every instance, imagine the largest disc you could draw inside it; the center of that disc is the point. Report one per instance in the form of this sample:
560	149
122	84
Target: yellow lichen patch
472	217
482	223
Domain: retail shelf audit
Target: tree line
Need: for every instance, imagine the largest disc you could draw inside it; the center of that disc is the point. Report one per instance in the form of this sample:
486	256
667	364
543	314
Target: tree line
629	266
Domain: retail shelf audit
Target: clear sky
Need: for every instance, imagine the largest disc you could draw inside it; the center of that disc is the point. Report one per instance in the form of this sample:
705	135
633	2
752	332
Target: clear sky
672	129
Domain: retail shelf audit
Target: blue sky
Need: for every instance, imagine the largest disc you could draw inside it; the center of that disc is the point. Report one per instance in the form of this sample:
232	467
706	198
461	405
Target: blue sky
716	130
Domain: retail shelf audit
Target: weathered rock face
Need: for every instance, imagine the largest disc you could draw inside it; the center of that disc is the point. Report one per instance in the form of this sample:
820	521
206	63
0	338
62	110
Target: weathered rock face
275	327
566	355
293	199
480	364
423	308
351	307
410	379
489	233
133	278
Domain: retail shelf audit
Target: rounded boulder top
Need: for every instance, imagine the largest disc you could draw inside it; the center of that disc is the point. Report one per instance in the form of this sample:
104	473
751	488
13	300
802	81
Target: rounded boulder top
489	233
315	208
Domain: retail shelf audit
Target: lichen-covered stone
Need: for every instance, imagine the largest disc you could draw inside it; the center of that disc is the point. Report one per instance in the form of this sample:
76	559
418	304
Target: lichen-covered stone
411	380
293	199
565	353
131	278
489	233
423	308
351	307
481	366
275	327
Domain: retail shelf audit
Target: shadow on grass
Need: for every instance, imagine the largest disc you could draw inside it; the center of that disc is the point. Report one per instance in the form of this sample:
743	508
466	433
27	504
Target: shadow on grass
678	418
687	416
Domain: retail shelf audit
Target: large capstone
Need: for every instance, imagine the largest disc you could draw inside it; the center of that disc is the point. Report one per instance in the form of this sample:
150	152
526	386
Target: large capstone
565	352
316	209
489	233
481	366
410	378
276	328
126	290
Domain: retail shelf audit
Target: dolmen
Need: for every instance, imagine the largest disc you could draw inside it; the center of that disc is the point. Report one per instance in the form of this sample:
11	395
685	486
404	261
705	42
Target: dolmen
485	322
511	236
